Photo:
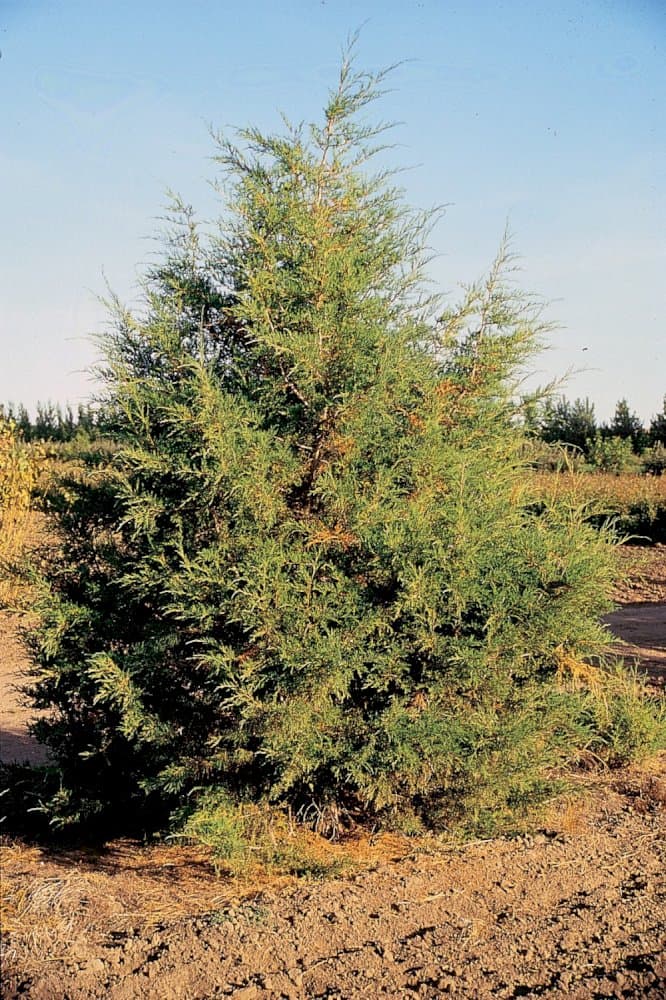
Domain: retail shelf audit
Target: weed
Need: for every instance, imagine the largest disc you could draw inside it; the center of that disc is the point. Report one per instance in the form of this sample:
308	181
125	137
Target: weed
247	835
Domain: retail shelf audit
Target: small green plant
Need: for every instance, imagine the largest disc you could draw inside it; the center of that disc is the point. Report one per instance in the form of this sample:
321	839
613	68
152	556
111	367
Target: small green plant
657	429
569	424
248	912
626	719
654	459
627	426
247	835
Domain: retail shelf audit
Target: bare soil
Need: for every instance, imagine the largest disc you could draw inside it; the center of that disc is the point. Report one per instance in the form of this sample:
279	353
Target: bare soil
576	910
15	714
640	620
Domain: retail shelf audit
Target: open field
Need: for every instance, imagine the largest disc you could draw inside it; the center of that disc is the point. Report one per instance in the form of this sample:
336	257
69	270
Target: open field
572	910
636	503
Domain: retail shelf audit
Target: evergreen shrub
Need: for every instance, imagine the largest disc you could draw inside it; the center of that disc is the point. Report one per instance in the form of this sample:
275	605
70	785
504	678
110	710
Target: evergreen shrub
310	576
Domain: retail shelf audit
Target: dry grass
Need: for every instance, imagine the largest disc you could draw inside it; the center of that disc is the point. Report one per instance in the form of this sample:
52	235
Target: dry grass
49	898
20	465
571	816
575	673
637	503
52	899
616	494
590	795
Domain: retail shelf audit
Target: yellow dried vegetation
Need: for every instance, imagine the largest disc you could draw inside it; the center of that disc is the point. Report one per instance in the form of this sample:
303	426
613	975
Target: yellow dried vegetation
635	504
616	494
19	469
577	674
49	898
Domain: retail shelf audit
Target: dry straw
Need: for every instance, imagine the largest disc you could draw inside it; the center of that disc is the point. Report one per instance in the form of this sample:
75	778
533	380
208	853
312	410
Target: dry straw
19	469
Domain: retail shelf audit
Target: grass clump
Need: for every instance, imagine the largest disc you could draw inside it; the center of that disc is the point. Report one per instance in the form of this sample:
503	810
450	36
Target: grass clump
626	718
247	835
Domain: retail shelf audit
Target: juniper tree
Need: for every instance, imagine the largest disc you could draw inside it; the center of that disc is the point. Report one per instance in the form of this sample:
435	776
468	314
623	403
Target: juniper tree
312	571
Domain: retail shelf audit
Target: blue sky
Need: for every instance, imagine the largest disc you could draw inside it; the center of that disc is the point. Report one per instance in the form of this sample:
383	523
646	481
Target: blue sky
551	116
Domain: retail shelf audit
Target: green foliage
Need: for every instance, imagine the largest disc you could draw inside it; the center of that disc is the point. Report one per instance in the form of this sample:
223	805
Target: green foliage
52	423
654	459
243	835
310	575
657	429
627	721
544	456
24	790
572	424
612	454
627	426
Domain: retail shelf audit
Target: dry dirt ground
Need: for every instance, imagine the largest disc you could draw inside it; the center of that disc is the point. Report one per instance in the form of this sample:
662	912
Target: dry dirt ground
576	910
640	620
15	743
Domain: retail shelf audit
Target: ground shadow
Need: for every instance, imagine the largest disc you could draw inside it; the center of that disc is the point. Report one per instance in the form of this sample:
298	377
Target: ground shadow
18	747
641	629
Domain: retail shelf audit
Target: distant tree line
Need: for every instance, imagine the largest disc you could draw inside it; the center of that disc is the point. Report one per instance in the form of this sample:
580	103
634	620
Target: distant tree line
622	445
53	422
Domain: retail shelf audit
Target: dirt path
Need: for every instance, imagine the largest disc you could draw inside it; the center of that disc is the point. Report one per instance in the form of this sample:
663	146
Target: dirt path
640	620
642	627
574	912
15	743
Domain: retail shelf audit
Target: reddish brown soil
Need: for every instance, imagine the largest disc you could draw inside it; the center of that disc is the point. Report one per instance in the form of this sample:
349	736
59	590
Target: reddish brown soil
574	911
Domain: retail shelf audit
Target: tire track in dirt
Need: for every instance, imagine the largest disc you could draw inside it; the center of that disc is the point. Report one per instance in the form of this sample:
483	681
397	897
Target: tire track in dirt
640	620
